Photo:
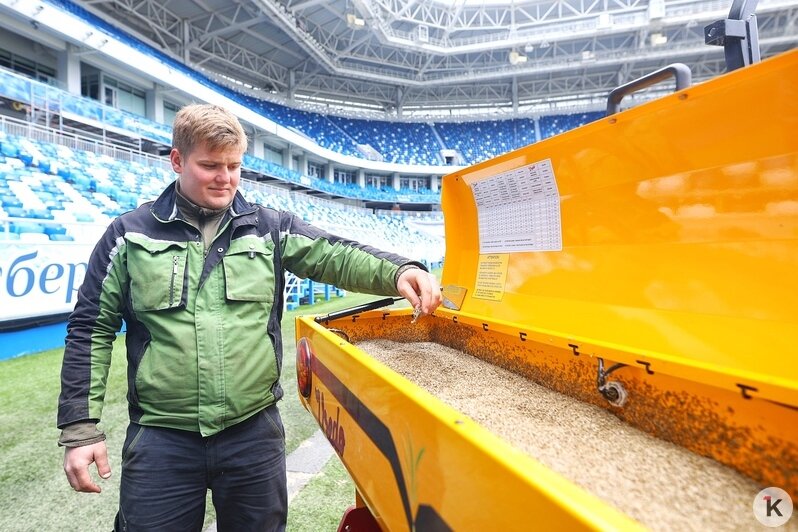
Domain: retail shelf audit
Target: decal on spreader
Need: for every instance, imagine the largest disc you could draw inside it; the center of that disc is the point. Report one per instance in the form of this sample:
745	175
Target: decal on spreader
519	210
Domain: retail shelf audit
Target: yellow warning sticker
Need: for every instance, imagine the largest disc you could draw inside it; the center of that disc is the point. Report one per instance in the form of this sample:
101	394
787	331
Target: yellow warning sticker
491	276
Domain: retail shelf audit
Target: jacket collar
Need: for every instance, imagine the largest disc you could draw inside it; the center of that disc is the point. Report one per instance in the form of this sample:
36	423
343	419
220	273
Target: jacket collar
165	207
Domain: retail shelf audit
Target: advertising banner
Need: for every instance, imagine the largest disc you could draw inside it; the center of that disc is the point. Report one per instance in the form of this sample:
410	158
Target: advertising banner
40	279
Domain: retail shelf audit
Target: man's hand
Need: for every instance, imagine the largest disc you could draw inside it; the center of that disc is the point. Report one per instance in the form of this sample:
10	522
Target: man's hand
420	288
76	466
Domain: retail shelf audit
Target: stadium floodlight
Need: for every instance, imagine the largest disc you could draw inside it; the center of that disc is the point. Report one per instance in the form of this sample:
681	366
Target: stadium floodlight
658	39
355	22
516	57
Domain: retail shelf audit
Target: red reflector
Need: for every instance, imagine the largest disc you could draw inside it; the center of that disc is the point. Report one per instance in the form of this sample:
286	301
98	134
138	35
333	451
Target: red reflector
304	355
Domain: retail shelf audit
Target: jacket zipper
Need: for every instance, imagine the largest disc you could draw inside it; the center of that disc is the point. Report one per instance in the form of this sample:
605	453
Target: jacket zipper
172	283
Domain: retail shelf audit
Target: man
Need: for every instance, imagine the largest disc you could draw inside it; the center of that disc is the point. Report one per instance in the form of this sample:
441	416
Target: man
197	276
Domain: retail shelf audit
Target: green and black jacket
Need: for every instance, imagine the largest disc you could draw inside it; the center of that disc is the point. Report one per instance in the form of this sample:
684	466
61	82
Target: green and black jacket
203	331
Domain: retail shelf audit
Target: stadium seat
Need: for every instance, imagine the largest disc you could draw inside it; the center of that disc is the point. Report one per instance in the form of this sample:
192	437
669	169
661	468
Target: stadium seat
16	212
52	230
27	227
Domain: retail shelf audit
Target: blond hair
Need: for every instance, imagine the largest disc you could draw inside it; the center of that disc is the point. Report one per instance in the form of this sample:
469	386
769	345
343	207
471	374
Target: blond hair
208	124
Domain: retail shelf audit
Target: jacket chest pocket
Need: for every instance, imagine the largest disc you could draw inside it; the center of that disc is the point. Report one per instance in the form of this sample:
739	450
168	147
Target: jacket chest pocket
157	273
249	270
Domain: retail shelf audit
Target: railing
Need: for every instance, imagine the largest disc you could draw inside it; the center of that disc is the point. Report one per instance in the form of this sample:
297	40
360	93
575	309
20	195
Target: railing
299	292
21	128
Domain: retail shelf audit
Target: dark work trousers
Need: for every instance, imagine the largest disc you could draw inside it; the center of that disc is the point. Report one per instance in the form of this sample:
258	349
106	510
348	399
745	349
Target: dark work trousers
166	474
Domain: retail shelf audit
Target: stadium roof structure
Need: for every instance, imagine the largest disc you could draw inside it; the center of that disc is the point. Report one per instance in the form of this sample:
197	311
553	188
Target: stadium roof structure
416	59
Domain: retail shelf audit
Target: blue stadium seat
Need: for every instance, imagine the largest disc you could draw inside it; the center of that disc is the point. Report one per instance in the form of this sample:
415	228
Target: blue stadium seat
83	217
27	227
42	214
10	201
52	230
16	212
9	149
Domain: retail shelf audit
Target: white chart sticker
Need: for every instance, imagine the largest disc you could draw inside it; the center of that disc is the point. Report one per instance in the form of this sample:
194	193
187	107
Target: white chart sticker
519	210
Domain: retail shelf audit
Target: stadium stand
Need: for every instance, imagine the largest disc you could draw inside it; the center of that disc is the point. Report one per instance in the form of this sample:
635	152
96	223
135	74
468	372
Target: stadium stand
20	89
312	125
556	124
397	142
479	141
48	182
